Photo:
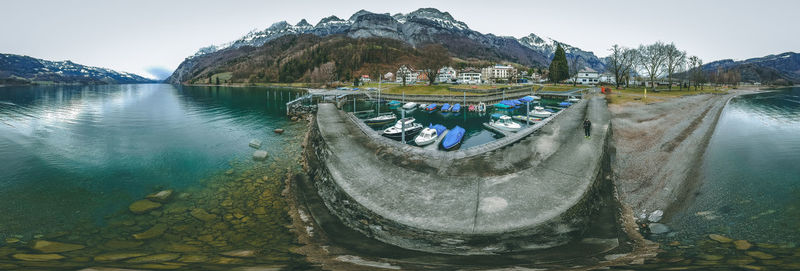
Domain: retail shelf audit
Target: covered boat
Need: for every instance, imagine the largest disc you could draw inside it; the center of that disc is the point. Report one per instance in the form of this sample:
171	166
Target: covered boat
439	128
431	107
455	108
502	106
394	103
564	104
526	99
453	138
410	105
471	108
446	107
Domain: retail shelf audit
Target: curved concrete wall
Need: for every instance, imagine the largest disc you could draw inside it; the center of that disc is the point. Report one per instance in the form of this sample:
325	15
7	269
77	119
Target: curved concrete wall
531	224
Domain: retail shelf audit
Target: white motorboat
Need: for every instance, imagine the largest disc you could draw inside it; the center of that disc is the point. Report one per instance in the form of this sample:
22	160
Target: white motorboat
381	120
410	105
527	119
506	124
481	107
536	97
539	112
406	124
422	105
426	137
573	99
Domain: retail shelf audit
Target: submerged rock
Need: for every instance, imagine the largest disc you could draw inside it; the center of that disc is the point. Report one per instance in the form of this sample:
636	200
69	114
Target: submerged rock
161	196
255	144
55	247
109	257
278	131
242	253
260	155
742	244
37	257
658	228
142	206
122	244
157	258
153	232
759	255
720	238
193	259
201	214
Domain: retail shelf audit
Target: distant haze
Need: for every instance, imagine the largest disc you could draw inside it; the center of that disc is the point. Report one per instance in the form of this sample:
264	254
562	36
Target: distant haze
151	38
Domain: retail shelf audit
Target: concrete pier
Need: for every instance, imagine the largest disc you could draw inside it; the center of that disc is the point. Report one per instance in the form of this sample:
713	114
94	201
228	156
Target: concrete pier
532	192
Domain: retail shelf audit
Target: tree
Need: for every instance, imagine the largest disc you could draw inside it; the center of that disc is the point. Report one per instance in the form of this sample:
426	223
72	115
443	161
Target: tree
217	80
620	63
434	57
691	72
574	67
674	59
402	73
559	69
651	59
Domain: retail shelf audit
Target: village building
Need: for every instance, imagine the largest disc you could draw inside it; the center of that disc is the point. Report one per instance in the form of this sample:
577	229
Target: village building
365	78
498	73
411	76
446	75
469	76
586	76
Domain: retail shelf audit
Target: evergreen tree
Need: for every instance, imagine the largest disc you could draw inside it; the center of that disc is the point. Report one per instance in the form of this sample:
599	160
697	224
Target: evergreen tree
217	80
559	68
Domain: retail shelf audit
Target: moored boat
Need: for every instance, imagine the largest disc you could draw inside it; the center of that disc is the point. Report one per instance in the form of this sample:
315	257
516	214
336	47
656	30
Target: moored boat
406	125
455	108
502	106
471	108
410	105
505	123
481	107
573	99
446	107
526	118
539	112
426	137
453	138
431	107
380	120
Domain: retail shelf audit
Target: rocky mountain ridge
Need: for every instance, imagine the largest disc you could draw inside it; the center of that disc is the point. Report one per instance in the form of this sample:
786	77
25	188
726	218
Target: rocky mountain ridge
18	69
767	69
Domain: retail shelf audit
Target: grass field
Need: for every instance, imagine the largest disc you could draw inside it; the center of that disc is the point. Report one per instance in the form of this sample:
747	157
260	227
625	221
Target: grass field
424	90
560	87
636	94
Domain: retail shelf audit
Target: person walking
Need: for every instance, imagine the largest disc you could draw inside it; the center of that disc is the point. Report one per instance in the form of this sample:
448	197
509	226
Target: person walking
587	128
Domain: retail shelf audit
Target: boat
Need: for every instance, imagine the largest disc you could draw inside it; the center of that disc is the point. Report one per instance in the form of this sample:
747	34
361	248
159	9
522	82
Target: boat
539	112
526	118
505	123
564	104
410	105
394	103
526	99
515	102
446	107
453	138
481	107
422	106
396	131
536	97
439	128
573	99
496	115
471	108
455	108
426	136
502	106
431	107
380	120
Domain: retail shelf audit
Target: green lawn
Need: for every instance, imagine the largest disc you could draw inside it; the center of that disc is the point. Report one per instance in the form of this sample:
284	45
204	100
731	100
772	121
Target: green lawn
422	90
636	94
560	87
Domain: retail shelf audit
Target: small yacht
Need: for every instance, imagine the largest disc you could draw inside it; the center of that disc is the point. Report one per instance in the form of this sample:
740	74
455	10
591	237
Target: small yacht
380	120
426	137
505	123
539	112
396	131
409	105
573	99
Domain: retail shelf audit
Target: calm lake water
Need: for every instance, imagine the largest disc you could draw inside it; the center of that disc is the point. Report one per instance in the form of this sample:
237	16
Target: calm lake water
75	157
750	187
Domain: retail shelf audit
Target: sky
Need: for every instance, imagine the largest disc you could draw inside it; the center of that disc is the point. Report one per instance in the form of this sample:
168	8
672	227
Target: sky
151	38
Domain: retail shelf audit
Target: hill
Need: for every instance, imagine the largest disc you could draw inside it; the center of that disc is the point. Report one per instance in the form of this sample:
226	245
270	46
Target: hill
22	70
772	69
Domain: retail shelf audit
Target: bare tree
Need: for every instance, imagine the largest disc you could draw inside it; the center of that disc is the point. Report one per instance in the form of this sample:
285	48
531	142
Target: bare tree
651	59
574	67
620	63
434	57
674	59
403	73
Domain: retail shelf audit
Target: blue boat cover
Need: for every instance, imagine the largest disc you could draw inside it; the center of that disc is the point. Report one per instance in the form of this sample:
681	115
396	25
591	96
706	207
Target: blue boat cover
496	115
515	102
507	102
526	99
431	106
453	137
456	108
500	105
445	107
564	104
438	127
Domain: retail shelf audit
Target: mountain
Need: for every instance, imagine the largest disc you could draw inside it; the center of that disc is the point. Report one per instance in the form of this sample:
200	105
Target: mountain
547	46
769	69
21	70
418	28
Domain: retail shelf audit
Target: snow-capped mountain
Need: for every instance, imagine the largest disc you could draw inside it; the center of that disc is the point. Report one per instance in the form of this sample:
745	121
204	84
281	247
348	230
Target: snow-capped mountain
547	47
24	69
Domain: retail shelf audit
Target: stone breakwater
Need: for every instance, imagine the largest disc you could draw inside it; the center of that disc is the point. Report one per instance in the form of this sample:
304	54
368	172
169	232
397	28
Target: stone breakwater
534	192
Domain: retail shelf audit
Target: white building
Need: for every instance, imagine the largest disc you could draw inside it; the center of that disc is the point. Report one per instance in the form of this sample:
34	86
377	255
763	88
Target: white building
409	73
586	76
365	78
497	72
469	76
446	75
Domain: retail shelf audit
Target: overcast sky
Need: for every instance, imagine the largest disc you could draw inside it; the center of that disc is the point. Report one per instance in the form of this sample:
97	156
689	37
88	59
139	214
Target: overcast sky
145	36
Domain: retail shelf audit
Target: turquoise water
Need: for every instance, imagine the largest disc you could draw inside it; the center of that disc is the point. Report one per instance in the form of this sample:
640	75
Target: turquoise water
75	157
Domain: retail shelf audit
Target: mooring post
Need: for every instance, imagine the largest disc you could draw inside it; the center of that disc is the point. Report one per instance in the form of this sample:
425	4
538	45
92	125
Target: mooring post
403	126
527	113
